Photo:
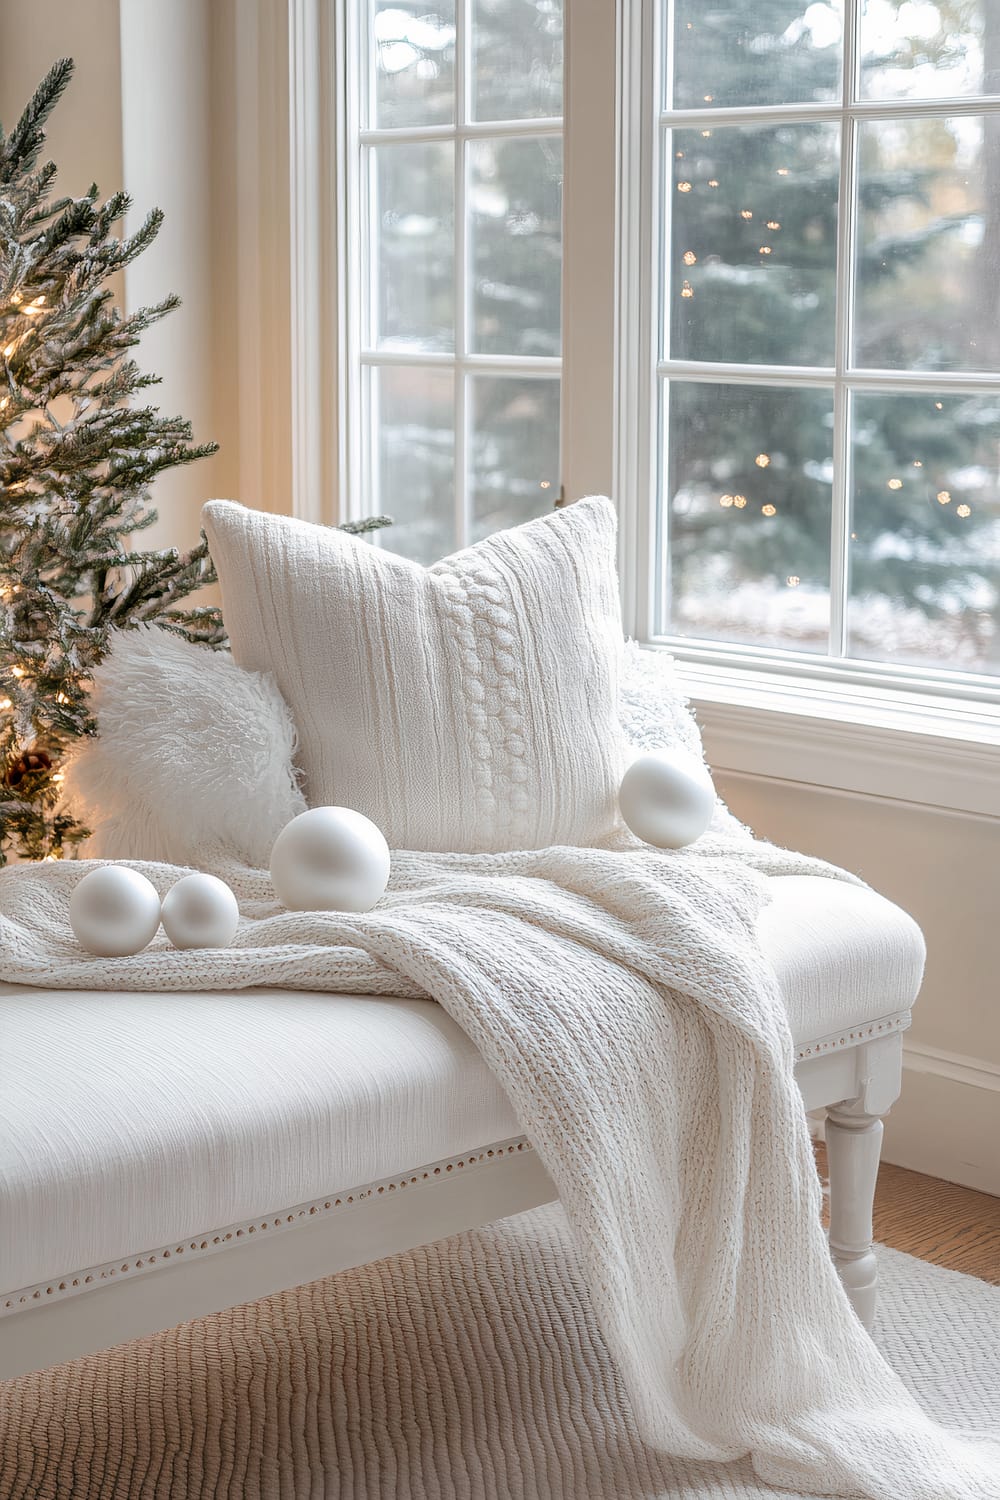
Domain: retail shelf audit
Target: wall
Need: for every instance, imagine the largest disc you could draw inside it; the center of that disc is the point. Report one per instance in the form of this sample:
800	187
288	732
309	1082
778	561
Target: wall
942	866
141	113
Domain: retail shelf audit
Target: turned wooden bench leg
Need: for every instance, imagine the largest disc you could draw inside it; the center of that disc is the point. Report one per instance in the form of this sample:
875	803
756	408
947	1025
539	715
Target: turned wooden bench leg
853	1147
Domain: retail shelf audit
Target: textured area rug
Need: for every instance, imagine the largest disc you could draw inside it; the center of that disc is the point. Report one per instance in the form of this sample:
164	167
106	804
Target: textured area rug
466	1370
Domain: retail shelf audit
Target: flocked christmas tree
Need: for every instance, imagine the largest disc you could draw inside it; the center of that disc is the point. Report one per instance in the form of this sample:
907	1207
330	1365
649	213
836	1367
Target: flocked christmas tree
79	450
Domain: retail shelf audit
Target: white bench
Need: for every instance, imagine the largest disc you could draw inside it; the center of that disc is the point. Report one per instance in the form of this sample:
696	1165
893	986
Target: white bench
166	1156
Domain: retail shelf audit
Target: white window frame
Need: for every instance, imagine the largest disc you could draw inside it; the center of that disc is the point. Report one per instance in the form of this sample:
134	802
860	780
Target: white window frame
730	667
360	355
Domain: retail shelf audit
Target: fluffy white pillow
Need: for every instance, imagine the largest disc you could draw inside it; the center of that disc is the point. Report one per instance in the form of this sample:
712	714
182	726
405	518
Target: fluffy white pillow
655	714
192	753
468	706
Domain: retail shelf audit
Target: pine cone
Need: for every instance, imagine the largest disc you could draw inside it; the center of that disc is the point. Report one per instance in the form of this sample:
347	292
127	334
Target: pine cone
28	764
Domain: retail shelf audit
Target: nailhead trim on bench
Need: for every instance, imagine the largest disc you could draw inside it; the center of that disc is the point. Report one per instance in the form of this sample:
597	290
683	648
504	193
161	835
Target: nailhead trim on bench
846	1039
76	1282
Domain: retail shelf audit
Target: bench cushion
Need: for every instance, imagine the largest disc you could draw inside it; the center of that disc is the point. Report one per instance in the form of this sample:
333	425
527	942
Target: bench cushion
129	1120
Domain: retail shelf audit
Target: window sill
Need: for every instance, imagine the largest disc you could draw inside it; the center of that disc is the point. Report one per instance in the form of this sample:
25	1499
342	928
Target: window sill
913	747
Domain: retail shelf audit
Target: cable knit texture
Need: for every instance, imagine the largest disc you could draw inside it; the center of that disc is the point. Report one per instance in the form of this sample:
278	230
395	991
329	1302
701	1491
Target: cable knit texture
621	998
463	707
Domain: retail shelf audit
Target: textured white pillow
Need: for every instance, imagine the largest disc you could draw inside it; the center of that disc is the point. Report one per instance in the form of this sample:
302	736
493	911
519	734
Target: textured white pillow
655	714
468	706
192	753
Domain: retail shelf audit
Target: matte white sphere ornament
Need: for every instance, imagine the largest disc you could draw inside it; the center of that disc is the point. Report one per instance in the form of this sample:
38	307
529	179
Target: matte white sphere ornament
200	911
330	859
114	911
667	798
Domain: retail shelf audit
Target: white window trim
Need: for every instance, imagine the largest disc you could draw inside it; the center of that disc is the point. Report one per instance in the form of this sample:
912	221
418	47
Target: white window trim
839	723
785	719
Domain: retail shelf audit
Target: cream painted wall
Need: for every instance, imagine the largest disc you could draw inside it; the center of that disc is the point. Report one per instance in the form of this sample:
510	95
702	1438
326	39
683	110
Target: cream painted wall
85	136
153	136
944	868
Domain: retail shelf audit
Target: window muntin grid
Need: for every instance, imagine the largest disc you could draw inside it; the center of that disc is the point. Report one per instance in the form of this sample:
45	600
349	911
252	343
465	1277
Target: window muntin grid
453	419
849	384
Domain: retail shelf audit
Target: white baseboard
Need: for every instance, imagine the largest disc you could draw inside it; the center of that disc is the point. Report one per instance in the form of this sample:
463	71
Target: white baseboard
947	1120
946	1123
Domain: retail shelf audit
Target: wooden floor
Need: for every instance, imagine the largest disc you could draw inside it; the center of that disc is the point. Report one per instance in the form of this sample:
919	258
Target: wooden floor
937	1221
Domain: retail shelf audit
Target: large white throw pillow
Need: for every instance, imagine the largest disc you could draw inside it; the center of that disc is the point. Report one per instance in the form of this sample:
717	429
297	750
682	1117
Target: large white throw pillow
468	706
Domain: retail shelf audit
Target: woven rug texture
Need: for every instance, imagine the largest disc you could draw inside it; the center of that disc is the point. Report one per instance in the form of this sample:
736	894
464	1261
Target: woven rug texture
470	1369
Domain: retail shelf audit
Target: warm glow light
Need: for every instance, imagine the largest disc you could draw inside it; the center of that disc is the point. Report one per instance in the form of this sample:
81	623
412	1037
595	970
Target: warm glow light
16	298
793	580
739	501
706	134
939	405
61	698
782	171
683	187
709	98
746	213
963	510
769	510
6	703
725	501
59	776
687	290
689	258
944	497
895	484
765	249
762	460
678	156
713	182
17	671
917	464
773	224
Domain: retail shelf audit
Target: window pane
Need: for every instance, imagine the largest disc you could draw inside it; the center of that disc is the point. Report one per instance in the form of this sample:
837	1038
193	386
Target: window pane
732	53
413	57
929	49
929	244
748	492
514	459
515	200
517	54
415	435
754	243
415	261
925	531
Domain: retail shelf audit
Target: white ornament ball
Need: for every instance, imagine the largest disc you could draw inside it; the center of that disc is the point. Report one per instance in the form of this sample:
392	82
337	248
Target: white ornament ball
200	911
114	911
330	859
667	798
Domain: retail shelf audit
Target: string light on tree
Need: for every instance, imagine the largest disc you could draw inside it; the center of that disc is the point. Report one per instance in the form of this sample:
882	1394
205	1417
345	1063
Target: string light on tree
944	497
895	484
963	510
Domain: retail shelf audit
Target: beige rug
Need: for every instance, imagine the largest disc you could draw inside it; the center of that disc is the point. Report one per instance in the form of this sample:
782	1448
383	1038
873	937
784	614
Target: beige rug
470	1369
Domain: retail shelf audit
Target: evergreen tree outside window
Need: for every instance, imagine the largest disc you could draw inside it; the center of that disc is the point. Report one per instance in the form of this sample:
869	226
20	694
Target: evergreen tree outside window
454	264
827	347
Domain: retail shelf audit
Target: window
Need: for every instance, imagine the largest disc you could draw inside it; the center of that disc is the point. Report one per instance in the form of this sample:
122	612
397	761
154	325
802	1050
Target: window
823	258
453	260
803	318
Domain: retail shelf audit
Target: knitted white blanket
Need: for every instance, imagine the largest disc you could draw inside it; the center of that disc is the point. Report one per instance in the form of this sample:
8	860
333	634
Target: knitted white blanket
622	1000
